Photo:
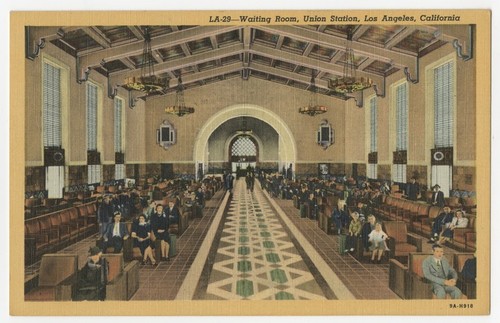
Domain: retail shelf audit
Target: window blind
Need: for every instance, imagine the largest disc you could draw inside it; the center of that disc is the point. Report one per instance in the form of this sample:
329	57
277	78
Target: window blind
373	125
51	88
372	171
91	116
401	117
399	173
94	174
118	125
119	171
443	105
54	181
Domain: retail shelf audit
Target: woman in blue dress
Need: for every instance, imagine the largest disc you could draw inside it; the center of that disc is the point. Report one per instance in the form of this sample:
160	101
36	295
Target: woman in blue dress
142	239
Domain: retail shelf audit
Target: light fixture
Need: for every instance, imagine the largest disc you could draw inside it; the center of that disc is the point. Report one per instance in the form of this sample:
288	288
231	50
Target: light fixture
179	108
349	83
148	82
244	130
313	108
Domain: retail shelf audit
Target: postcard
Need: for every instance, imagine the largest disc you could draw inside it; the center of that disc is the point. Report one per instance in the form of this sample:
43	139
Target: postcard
250	162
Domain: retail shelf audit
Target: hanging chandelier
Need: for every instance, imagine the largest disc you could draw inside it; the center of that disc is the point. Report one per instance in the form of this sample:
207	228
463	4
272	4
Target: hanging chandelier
148	82
244	130
313	108
179	108
349	83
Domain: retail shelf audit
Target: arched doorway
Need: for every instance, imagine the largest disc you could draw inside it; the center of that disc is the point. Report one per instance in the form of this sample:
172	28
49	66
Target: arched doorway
287	150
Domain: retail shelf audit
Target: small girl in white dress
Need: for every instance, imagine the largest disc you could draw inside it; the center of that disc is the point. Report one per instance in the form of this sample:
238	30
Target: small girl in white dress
377	239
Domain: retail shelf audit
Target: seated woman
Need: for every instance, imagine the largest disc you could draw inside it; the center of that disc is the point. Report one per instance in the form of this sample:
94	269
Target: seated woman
377	239
459	221
141	235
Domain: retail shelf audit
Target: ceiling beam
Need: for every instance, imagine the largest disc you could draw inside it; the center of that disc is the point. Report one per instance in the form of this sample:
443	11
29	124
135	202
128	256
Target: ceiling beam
331	41
97	36
168	40
365	63
200	76
360	32
308	49
322	84
137	32
157	56
127	61
247	37
279	43
407	31
306	61
213	40
179	63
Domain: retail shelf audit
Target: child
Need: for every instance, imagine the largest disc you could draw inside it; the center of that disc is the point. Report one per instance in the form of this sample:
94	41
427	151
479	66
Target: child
377	238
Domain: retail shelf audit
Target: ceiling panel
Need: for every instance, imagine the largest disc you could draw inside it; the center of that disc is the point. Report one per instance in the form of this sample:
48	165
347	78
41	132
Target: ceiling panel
294	45
115	66
380	34
79	40
228	38
418	39
200	45
265	38
170	53
117	34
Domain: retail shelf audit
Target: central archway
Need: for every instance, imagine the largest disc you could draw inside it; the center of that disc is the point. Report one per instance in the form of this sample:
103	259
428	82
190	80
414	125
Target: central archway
287	147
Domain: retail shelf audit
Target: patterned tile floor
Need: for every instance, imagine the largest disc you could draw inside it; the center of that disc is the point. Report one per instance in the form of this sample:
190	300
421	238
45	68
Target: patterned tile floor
256	258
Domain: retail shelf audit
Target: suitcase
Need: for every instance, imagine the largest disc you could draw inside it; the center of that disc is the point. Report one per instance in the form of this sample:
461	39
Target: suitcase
304	210
172	252
342	243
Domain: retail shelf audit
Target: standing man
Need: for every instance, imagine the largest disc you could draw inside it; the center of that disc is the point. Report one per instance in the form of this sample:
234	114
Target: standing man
229	182
442	276
437	196
289	172
104	215
413	189
117	232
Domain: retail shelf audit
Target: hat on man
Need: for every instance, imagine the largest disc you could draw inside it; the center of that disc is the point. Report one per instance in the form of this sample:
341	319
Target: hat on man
94	250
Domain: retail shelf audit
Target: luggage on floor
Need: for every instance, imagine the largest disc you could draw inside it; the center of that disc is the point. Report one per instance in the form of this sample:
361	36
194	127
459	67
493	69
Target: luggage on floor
172	252
304	210
342	243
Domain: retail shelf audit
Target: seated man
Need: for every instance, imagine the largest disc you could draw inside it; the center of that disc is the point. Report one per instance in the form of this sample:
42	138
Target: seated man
92	279
440	222
469	270
117	232
442	276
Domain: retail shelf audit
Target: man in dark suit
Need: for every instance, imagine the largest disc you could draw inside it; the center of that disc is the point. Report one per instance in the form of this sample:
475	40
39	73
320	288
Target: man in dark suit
117	232
172	213
441	275
437	196
440	223
413	189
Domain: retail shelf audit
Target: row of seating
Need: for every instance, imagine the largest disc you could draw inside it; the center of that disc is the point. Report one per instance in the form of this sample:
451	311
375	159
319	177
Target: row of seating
58	278
420	217
408	282
54	231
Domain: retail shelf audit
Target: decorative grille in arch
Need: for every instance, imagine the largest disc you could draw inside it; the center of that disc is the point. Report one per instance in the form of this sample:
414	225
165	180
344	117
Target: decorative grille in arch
243	146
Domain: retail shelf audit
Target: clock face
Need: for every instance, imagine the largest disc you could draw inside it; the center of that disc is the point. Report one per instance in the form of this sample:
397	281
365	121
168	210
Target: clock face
323	169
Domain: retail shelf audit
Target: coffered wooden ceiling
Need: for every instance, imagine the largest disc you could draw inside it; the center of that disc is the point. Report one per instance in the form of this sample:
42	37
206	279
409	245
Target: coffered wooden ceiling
283	54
